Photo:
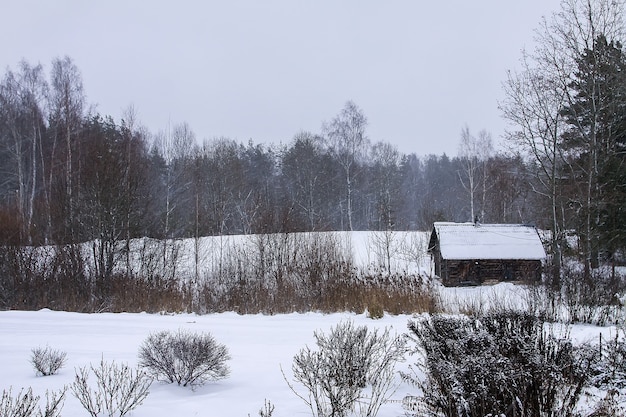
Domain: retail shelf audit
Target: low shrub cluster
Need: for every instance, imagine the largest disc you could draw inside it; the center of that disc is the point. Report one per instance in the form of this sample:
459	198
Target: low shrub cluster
119	389
505	363
184	358
26	404
47	361
596	298
593	299
353	369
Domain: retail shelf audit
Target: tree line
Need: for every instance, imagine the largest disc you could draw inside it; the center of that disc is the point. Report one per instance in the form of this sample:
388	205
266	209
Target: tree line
77	188
68	174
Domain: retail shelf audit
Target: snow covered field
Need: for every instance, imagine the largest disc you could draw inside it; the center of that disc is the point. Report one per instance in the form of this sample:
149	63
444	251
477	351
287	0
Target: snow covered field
259	346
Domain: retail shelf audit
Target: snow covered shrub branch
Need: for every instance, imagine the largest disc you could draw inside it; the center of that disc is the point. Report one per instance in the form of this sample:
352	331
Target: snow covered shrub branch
592	299
502	363
119	389
611	370
267	410
608	375
47	361
25	404
184	357
353	369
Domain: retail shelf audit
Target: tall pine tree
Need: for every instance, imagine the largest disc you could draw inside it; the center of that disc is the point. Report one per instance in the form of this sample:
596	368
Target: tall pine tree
595	145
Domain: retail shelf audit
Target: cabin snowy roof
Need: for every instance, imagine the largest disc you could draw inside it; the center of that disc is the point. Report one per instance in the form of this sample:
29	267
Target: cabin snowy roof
487	241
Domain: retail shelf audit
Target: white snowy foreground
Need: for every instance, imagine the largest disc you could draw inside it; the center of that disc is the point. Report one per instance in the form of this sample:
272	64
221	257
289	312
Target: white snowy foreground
259	346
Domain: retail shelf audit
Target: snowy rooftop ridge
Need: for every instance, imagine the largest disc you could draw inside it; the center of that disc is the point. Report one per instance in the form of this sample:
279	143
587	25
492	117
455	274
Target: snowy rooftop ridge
488	241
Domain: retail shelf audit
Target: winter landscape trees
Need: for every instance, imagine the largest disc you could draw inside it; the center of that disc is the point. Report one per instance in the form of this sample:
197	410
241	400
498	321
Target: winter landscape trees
102	215
77	187
566	107
70	175
71	178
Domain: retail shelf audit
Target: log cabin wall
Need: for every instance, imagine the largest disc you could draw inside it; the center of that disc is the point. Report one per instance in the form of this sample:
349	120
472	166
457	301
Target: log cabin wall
480	271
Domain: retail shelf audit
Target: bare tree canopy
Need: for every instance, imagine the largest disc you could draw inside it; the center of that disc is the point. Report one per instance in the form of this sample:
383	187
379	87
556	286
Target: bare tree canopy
566	110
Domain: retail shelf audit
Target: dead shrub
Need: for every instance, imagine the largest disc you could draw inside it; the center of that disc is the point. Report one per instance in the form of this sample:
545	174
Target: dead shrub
119	389
47	361
184	357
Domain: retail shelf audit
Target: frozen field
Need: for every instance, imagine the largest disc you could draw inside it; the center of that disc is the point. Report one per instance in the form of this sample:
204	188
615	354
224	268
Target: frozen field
259	346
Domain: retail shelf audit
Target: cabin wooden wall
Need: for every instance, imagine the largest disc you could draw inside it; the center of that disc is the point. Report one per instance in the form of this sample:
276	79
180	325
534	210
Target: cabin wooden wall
479	271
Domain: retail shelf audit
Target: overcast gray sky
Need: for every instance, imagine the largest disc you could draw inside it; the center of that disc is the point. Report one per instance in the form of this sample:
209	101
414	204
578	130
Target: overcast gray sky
265	70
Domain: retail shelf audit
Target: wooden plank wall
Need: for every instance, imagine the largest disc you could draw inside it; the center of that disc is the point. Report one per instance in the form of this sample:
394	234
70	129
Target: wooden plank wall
476	272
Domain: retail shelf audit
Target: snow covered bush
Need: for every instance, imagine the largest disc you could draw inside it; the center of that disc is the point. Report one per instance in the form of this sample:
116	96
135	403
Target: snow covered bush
593	299
610	371
184	357
25	404
119	389
47	361
502	363
352	370
608	375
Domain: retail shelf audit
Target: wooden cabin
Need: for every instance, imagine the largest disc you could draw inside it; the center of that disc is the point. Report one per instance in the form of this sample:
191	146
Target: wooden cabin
474	253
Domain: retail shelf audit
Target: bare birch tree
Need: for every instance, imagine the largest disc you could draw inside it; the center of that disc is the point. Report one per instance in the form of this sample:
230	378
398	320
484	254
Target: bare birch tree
533	107
67	101
349	142
386	164
22	100
474	153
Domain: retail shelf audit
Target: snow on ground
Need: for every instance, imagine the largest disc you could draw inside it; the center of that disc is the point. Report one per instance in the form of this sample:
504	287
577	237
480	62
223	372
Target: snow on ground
474	299
259	345
401	252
